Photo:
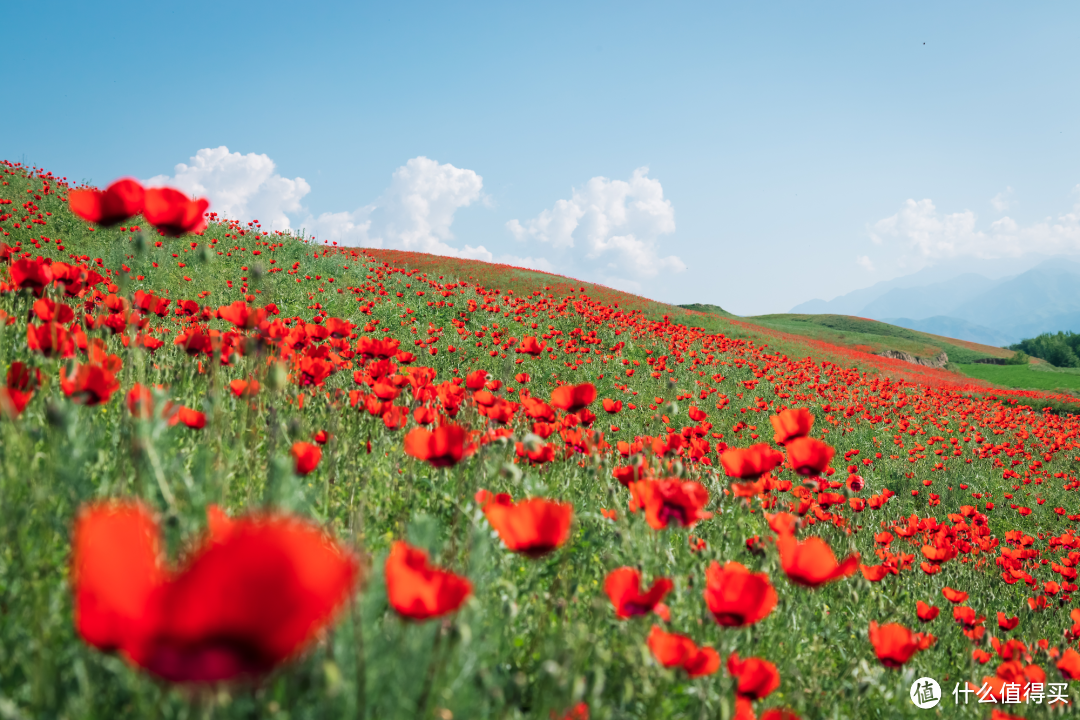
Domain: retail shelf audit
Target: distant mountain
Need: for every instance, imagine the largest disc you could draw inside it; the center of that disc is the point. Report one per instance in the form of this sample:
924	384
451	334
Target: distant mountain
955	328
970	306
931	300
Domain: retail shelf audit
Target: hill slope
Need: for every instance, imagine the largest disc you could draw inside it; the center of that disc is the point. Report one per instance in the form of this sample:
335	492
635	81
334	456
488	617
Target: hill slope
247	476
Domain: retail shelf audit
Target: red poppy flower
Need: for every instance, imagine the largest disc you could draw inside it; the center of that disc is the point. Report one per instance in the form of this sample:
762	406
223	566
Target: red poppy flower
667	500
812	563
322	437
522	378
779	714
173	213
530	346
419	591
111	206
954	596
877	573
244	388
791	424
532	527
578	712
443	447
395	417
572	398
1006	623
926	612
623	586
757	677
49	311
19	388
384	348
50	339
250	597
893	643
306	457
612	406
91	384
750	463
241	314
737	597
674	650
192	418
807	456
34	275
1069	665
476	379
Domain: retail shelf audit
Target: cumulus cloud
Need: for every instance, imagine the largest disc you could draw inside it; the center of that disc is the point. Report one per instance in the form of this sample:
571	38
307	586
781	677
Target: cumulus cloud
618	223
1002	201
414	213
934	235
241	187
865	263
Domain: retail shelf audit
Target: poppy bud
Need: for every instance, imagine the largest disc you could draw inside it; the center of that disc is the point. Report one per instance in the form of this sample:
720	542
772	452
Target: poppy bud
510	472
278	377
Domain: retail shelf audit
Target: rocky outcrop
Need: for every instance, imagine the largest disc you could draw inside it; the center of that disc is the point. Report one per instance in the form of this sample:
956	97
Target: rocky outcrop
938	361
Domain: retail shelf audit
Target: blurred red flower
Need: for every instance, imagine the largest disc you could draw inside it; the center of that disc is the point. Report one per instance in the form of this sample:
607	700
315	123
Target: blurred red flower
667	500
443	447
757	677
192	418
532	527
807	456
1006	623
419	591
305	456
926	612
530	346
111	206
19	387
674	650
893	643
250	596
623	587
572	398
750	463
812	563
173	213
954	596
737	597
791	424
91	384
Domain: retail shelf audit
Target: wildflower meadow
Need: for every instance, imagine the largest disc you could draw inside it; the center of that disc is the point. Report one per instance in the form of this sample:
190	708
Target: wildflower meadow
247	474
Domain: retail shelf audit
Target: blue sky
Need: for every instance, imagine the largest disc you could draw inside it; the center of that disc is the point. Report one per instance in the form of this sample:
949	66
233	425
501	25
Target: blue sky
747	155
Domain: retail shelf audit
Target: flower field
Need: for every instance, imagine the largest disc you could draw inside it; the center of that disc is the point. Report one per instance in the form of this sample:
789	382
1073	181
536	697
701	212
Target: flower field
248	475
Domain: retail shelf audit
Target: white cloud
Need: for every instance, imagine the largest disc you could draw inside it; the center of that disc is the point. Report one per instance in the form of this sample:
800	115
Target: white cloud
241	187
617	222
934	235
1001	201
414	213
865	263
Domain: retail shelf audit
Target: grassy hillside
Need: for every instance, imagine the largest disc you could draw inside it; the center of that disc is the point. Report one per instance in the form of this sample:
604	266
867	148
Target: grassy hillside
212	448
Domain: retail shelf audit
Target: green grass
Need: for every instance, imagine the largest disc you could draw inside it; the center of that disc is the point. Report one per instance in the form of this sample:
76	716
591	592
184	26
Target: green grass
1025	377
